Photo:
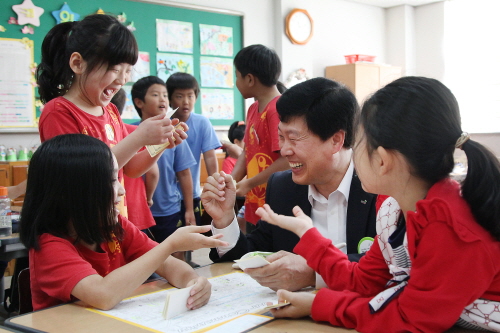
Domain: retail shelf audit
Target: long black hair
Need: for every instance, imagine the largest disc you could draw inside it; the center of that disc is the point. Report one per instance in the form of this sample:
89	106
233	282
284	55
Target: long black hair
70	181
420	118
100	39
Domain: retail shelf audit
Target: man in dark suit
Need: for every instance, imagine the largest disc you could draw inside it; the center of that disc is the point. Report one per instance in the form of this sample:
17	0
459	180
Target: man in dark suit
316	135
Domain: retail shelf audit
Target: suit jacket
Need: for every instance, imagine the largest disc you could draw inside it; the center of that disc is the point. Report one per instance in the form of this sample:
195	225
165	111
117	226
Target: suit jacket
282	195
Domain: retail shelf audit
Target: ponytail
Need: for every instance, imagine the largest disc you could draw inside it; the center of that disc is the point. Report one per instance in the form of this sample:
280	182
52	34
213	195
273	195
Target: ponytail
54	75
481	188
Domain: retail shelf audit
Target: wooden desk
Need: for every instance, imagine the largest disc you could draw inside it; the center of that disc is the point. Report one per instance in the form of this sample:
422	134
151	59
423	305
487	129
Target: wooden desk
74	318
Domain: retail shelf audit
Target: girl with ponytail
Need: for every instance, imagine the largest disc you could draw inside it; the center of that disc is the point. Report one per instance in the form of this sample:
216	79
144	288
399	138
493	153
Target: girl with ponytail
434	262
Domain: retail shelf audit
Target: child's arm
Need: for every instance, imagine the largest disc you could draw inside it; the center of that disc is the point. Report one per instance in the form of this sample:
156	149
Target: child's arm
298	224
151	181
155	130
105	292
186	184
211	161
240	168
17	190
244	186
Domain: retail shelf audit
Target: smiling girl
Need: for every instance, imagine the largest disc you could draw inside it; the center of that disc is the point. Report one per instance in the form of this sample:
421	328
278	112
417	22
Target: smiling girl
84	64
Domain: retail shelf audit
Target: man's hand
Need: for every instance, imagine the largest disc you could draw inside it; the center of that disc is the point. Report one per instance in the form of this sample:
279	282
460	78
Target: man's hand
218	198
286	271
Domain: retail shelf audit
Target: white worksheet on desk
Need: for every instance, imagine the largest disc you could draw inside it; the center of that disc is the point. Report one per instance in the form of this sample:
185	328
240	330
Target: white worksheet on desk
233	294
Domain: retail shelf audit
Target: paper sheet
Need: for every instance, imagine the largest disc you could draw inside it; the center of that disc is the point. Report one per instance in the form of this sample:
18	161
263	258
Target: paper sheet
233	295
176	301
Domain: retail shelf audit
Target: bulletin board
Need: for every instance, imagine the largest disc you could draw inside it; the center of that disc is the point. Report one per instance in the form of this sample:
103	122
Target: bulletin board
219	98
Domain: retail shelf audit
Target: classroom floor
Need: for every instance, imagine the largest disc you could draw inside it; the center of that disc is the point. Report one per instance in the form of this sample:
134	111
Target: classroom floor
199	257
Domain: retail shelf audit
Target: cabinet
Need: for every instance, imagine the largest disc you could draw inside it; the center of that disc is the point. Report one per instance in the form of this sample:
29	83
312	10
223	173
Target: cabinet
363	78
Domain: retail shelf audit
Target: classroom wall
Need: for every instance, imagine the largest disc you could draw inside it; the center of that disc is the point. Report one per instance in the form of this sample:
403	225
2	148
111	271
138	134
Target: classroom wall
405	36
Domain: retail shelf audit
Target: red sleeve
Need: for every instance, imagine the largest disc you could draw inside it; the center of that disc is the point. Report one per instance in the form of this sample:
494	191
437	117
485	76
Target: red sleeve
366	277
135	243
228	165
57	277
56	122
273	120
447	275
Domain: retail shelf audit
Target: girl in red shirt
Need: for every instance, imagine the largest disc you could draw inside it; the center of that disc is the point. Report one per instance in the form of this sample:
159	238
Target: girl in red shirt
79	245
84	64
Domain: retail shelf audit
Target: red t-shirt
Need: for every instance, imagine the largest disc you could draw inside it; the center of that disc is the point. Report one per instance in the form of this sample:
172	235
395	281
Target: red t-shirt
137	204
261	150
228	164
61	116
59	264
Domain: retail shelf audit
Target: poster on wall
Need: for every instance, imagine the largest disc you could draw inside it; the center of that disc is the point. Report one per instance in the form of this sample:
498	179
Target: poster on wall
169	63
17	83
141	68
174	36
216	40
216	72
129	111
217	103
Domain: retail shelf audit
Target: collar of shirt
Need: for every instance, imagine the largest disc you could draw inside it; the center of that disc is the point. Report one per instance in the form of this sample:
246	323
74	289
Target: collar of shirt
344	188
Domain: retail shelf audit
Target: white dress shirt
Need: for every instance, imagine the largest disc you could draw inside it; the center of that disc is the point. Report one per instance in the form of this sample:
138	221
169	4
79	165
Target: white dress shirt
328	214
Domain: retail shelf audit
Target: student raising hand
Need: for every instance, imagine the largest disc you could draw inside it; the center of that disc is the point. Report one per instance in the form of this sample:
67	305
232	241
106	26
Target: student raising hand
298	224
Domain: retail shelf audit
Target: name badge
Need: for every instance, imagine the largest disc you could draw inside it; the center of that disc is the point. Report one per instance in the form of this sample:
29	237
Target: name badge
364	244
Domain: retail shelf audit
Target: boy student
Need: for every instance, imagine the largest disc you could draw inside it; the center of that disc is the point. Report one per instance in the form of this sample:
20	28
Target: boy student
150	99
139	197
316	136
257	71
183	90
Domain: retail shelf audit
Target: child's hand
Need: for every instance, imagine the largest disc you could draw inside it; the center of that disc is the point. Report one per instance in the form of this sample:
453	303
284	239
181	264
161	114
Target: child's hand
243	187
158	130
190	238
218	198
300	304
200	294
298	224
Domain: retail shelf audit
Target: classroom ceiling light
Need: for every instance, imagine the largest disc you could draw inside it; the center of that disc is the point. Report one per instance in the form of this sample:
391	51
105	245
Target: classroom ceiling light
393	3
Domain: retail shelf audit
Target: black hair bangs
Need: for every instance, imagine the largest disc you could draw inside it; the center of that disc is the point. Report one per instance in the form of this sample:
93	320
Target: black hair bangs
120	46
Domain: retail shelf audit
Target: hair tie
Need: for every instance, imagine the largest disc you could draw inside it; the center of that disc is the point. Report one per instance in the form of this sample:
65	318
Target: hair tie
463	138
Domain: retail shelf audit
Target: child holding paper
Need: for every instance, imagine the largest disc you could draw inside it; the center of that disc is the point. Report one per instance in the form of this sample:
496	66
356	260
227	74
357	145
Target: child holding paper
80	247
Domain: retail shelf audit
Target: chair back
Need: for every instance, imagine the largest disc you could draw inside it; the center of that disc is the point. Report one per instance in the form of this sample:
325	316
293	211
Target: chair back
24	287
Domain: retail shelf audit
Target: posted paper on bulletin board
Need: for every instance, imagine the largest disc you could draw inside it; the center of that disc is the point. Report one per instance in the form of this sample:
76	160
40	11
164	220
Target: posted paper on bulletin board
17	91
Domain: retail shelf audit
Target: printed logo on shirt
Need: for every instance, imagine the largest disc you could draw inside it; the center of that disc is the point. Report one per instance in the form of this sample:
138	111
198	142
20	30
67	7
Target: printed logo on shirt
113	115
110	132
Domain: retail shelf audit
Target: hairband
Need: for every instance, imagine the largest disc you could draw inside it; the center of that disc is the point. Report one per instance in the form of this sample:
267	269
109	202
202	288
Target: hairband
463	138
241	123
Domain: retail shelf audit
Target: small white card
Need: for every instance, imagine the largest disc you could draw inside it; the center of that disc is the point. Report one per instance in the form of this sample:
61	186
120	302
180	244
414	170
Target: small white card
156	149
176	301
252	262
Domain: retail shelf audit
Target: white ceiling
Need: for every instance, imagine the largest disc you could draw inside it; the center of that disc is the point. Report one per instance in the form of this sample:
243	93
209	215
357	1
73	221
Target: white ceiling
392	3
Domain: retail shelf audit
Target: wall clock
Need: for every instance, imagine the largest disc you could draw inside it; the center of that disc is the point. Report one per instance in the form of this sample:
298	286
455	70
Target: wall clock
299	26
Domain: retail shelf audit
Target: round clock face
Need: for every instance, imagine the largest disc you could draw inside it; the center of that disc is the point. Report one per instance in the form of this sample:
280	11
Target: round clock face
299	26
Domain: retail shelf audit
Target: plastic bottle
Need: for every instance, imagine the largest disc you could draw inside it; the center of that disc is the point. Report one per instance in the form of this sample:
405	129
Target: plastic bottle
5	213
